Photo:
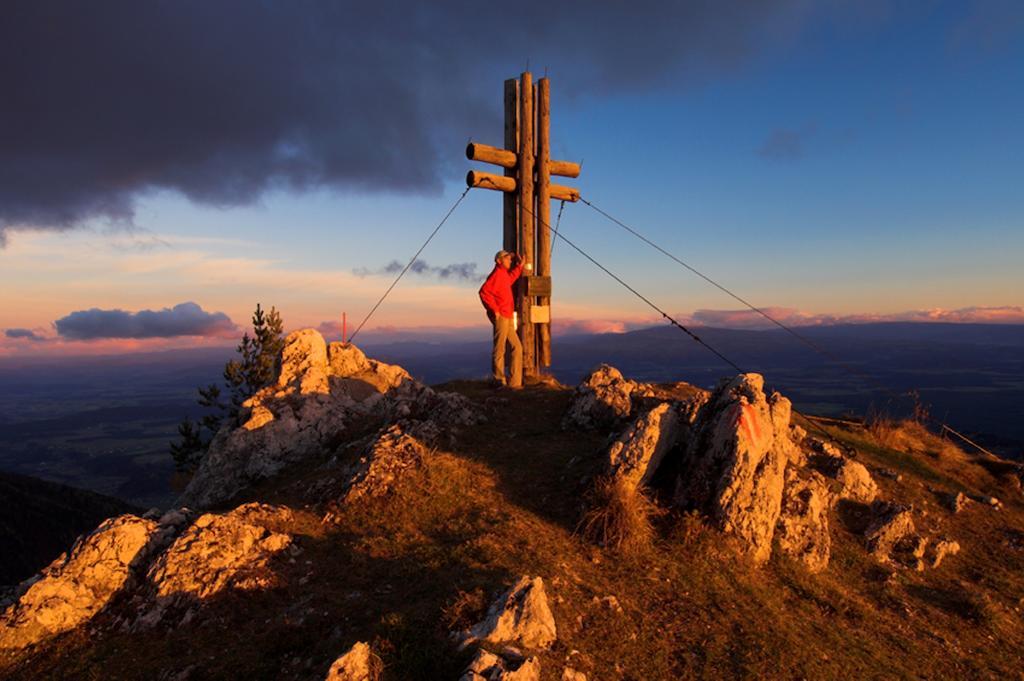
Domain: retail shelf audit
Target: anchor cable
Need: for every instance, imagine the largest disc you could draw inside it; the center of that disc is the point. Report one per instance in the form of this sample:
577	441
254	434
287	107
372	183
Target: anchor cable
410	263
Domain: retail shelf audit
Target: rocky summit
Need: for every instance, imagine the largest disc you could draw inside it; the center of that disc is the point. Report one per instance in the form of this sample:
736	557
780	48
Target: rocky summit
356	524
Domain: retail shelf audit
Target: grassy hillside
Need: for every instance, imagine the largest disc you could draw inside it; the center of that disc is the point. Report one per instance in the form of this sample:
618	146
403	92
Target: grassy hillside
402	571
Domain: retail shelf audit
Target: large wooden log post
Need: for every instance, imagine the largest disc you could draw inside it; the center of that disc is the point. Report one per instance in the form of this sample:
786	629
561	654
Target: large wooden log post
528	191
527	217
544	212
510	212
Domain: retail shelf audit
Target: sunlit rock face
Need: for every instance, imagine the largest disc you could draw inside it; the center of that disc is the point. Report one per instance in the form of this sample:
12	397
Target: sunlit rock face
635	455
734	463
520	616
221	551
602	400
803	528
358	664
82	582
216	553
320	391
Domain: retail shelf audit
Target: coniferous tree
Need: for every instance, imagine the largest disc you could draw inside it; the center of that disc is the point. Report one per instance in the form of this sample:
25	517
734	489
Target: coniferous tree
258	367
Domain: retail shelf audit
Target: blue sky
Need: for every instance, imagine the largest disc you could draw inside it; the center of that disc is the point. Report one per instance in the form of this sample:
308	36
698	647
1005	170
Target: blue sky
861	162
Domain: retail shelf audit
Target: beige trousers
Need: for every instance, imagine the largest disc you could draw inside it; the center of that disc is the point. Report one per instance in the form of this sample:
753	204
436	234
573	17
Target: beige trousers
505	332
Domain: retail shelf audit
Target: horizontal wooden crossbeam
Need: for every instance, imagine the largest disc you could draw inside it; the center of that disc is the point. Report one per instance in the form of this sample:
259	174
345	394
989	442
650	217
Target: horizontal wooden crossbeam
508	159
500	183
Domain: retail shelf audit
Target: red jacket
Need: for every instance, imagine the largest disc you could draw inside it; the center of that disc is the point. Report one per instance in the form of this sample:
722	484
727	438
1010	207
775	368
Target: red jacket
496	293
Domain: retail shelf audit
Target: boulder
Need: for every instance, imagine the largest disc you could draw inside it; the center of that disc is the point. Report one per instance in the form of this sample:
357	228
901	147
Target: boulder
957	501
635	455
305	413
358	664
347	362
82	582
487	666
570	674
520	615
855	482
803	529
219	552
734	462
602	400
891	531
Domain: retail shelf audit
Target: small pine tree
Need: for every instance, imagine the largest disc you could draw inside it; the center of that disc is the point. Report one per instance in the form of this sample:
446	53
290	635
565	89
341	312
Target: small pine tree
189	449
258	367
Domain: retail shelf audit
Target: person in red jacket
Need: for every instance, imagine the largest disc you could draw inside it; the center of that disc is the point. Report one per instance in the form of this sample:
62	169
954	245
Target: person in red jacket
496	295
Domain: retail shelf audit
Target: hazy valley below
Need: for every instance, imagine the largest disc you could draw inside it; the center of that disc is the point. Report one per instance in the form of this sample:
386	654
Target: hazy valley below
104	423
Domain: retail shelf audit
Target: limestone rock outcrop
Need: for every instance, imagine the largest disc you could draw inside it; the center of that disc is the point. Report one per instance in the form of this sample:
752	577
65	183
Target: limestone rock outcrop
520	615
891	532
734	463
391	452
803	530
601	400
358	664
82	582
855	482
320	390
487	666
635	455
221	551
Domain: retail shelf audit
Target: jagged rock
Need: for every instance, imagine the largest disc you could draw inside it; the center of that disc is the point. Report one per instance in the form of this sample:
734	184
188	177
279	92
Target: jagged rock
319	392
348	362
602	400
218	552
635	456
570	674
392	452
803	529
304	363
941	549
891	529
853	477
358	664
733	466
487	666
82	582
856	483
519	615
957	502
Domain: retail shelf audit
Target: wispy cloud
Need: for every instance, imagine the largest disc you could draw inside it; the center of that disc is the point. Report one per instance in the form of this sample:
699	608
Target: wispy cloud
459	271
784	144
25	334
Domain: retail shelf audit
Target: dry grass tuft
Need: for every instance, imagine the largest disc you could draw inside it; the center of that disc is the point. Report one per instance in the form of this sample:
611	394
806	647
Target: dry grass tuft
913	437
618	517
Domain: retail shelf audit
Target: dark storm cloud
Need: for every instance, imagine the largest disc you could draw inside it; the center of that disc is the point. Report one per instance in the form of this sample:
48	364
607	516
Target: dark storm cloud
220	101
24	334
459	271
185	319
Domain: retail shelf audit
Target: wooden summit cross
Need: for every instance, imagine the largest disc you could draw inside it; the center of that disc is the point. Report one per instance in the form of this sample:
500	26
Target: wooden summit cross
528	190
